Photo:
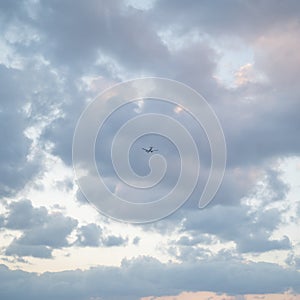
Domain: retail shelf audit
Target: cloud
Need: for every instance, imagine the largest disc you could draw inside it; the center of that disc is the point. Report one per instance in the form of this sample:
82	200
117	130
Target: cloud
53	232
217	296
49	49
89	235
145	277
249	229
281	46
243	19
256	131
108	29
42	232
192	241
15	169
253	137
113	241
22	215
263	244
293	260
17	248
92	235
136	240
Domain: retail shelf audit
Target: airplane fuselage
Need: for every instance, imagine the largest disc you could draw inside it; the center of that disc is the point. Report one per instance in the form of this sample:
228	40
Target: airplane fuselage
150	150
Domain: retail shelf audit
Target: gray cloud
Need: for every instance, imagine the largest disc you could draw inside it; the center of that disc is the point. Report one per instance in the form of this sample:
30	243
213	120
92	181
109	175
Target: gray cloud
245	19
113	241
192	241
293	260
261	243
190	253
251	231
53	233
136	240
22	215
104	28
92	235
17	248
58	42
277	187
262	129
182	64
42	231
146	277
280	45
254	133
89	235
15	145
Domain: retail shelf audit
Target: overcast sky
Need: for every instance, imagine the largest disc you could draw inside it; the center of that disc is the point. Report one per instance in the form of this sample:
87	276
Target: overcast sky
242	57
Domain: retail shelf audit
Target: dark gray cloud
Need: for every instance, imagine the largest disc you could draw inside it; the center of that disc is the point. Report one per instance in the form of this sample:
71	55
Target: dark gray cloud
76	33
146	277
262	129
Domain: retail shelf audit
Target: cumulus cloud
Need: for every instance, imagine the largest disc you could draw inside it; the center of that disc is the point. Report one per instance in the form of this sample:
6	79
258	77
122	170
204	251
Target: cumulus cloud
89	235
22	215
251	231
92	235
41	231
112	241
21	249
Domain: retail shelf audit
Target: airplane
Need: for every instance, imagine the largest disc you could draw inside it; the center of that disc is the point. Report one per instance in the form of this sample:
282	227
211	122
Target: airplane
150	150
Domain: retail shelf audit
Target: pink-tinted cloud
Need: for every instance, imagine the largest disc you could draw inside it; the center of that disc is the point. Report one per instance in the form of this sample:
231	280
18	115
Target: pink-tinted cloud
214	296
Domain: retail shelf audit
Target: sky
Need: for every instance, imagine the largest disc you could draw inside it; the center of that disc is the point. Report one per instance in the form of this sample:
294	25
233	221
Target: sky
56	57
